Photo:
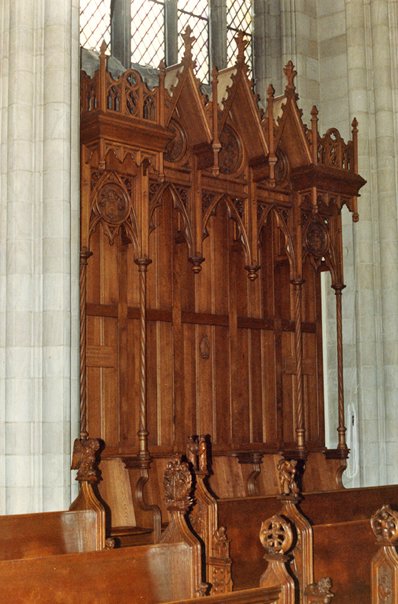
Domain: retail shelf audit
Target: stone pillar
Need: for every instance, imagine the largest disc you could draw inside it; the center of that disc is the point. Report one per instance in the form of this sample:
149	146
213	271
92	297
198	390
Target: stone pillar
384	29
300	44
38	271
218	33
171	29
121	31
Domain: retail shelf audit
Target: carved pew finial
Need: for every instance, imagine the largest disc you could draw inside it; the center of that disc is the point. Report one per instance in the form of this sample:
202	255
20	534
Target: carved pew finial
287	474
384	567
85	460
276	536
177	483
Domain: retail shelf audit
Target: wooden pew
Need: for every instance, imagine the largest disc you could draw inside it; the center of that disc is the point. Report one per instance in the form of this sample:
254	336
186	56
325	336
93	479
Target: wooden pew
343	541
170	571
81	529
145	574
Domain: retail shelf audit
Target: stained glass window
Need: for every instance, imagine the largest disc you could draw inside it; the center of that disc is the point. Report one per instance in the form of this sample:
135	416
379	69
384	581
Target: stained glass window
147	32
148	29
240	18
195	13
95	23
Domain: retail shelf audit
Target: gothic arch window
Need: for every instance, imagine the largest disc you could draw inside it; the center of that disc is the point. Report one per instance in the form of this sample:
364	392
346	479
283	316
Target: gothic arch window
146	31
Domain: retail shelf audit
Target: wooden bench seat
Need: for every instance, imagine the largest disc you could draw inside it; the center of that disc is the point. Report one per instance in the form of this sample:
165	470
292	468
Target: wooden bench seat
50	533
343	541
123	576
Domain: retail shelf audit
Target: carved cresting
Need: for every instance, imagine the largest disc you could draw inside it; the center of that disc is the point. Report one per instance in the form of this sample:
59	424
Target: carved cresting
384	570
204	520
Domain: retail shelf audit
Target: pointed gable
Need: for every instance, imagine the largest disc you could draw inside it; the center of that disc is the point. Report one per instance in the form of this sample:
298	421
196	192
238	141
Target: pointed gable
239	107
291	135
186	99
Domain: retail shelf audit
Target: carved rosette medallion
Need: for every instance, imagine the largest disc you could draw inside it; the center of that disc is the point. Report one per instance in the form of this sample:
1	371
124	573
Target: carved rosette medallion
317	239
276	535
281	167
384	524
177	147
113	204
230	155
177	485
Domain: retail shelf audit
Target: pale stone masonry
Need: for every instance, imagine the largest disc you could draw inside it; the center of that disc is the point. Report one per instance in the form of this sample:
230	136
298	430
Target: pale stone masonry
39	244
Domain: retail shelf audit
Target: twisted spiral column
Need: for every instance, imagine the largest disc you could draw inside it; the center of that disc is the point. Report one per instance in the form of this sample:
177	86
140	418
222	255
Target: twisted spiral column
143	452
300	427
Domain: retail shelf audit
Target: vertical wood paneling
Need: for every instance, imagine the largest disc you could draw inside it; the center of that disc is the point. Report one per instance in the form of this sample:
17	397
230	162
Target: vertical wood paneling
165	384
222	370
271	424
190	381
256	371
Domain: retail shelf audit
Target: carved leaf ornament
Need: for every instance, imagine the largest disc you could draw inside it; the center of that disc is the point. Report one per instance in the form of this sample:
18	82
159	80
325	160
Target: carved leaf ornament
177	485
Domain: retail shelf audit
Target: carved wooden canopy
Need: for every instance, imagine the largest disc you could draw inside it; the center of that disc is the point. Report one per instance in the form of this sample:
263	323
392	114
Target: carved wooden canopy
175	179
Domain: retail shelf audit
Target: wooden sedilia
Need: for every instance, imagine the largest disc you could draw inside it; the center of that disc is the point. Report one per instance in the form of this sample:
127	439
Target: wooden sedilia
185	194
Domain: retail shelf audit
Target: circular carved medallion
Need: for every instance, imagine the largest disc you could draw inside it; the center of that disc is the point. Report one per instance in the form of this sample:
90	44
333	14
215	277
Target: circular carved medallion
229	158
176	148
113	204
281	167
317	239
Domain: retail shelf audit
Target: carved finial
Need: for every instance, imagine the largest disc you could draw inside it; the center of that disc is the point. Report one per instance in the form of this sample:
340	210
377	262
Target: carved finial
290	74
252	271
242	43
85	459
197	453
196	262
202	453
319	593
270	91
276	535
103	48
384	524
189	41
287	477
177	484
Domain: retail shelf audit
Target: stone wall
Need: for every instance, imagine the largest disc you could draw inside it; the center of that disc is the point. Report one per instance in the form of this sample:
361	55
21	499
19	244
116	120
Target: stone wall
39	243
